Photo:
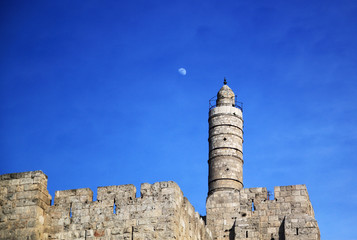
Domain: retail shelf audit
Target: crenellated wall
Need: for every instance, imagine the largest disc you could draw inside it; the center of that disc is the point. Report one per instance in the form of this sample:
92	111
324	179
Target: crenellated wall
161	212
248	214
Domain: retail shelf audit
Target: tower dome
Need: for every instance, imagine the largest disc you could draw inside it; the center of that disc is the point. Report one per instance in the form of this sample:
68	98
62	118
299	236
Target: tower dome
225	96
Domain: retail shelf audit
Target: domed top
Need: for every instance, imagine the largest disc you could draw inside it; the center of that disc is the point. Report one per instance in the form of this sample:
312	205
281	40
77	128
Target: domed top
225	96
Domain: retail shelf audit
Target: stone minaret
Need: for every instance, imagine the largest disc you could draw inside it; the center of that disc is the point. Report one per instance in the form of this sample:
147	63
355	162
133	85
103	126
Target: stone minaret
225	180
225	143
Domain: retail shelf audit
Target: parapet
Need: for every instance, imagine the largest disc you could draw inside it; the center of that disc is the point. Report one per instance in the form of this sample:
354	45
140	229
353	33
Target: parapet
293	199
82	195
250	213
160	212
23	175
291	193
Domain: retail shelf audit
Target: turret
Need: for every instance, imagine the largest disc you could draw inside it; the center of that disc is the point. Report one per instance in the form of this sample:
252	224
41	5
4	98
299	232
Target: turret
225	142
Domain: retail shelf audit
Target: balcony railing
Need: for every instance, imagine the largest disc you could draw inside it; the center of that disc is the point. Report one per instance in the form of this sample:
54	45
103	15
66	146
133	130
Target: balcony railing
212	103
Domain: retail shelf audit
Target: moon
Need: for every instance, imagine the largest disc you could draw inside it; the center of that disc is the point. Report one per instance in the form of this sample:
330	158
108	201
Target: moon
182	71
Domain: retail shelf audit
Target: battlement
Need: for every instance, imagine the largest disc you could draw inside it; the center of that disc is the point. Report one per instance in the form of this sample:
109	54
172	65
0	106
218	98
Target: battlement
120	195
23	175
161	212
249	213
291	193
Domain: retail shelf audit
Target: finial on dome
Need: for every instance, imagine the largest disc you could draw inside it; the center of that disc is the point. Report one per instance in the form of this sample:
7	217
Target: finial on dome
225	96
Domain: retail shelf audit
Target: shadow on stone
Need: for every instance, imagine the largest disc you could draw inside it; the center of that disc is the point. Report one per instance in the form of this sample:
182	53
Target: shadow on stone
281	230
232	233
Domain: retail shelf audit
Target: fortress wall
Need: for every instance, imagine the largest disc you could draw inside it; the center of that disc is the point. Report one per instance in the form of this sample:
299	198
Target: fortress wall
161	212
248	214
191	225
70	207
269	219
247	224
117	213
297	196
24	199
301	226
222	207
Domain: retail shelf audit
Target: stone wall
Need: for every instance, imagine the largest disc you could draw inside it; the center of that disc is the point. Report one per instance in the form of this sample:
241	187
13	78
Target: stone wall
161	212
249	214
24	201
222	208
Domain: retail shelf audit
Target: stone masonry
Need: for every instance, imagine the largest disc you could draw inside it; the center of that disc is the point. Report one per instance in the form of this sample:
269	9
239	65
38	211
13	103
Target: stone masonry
234	212
162	211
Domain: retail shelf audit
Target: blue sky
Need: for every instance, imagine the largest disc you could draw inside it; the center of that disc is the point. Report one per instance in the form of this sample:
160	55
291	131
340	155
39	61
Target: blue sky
90	93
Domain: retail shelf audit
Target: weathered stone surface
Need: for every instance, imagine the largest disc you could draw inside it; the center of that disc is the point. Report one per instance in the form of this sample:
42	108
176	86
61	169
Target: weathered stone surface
24	199
161	212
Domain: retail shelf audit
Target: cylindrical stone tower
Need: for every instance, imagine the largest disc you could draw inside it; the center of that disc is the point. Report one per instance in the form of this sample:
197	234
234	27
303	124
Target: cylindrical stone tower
225	143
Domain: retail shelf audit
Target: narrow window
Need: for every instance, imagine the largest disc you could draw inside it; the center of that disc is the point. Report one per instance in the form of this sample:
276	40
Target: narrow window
253	207
114	208
246	234
297	231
